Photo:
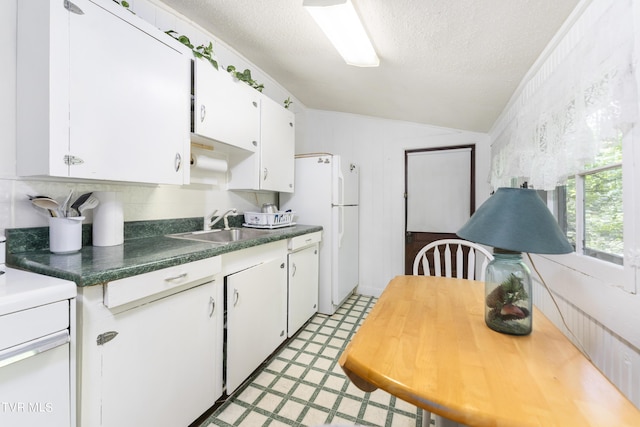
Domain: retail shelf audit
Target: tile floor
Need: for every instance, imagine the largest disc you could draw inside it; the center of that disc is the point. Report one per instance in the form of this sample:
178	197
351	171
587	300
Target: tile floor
303	385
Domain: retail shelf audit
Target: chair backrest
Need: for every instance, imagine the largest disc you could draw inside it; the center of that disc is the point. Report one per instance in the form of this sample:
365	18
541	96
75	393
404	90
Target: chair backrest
466	253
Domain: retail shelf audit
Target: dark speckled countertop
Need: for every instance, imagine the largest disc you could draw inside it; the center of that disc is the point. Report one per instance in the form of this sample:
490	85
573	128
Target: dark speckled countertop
146	248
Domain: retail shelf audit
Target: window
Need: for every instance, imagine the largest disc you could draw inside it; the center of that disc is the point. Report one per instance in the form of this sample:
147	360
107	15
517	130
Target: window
590	206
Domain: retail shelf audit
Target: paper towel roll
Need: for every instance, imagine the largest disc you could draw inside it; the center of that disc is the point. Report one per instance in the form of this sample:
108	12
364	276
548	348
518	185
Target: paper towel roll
205	163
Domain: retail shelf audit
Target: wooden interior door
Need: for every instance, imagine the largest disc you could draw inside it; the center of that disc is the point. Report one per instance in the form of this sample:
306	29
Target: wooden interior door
439	195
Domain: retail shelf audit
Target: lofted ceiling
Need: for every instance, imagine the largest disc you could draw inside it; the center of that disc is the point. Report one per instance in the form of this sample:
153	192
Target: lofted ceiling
451	63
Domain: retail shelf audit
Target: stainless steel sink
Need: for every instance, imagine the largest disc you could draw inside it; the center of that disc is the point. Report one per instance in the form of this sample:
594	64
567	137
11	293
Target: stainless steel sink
222	236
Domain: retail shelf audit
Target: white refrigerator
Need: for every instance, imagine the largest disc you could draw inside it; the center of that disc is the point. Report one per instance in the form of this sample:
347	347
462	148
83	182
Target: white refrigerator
326	194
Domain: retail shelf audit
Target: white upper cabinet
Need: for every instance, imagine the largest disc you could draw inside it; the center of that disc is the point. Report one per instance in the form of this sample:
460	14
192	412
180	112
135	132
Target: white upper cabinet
101	94
277	149
271	168
225	109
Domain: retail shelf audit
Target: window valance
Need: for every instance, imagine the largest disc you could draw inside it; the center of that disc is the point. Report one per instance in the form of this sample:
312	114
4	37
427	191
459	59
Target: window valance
584	94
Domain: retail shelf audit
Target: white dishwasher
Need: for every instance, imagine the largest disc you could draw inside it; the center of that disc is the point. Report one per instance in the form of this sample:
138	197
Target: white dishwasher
37	347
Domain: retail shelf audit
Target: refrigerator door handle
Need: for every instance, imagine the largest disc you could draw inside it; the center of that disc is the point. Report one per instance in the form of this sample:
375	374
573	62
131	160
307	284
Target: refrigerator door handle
340	187
341	226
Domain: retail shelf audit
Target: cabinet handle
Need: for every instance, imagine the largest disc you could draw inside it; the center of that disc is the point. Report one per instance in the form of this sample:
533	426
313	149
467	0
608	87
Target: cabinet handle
178	161
266	172
255	104
236	297
293	272
255	143
212	303
106	337
203	112
72	8
178	277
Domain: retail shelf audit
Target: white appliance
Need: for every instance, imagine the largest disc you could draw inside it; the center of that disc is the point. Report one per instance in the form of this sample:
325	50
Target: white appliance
37	347
326	194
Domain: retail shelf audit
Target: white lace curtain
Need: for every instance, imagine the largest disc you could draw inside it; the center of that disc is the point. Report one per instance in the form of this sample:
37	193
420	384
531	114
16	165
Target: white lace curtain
588	97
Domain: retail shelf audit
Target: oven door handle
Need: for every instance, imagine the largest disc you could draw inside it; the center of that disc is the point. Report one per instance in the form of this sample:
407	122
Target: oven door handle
33	348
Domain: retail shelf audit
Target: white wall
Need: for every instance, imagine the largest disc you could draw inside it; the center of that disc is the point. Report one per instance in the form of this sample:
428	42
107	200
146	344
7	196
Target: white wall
378	146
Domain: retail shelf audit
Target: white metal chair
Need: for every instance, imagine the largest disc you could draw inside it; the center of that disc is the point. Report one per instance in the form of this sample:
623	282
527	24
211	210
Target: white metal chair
442	251
467	254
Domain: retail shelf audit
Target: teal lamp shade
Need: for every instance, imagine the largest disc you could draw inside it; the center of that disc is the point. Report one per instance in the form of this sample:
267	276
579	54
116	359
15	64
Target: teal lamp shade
516	219
512	221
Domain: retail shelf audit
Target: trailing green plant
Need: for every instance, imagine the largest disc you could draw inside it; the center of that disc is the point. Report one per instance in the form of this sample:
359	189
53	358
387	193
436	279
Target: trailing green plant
206	52
124	4
245	76
288	102
202	51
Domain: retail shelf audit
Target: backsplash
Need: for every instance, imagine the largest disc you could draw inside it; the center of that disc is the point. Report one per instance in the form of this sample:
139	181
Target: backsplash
37	238
140	202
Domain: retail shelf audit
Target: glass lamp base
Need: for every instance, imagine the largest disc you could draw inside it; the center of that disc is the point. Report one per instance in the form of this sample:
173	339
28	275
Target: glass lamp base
508	306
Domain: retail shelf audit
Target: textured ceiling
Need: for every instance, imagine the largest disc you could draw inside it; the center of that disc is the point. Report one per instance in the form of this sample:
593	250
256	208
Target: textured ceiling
451	63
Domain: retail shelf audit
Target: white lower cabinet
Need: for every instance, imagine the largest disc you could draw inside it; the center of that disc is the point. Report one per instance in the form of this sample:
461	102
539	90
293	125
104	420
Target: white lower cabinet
303	287
256	317
155	360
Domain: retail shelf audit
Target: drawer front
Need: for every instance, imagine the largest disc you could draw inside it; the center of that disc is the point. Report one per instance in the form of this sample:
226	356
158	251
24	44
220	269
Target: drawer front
133	288
27	325
298	242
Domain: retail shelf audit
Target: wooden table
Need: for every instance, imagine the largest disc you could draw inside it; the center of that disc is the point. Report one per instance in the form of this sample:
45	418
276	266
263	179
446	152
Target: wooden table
425	341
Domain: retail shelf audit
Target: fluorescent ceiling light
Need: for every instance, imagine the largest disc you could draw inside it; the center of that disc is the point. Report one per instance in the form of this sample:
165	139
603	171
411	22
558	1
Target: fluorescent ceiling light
339	21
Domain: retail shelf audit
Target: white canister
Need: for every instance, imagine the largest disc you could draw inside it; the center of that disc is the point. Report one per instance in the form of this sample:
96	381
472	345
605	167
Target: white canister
65	234
108	220
3	249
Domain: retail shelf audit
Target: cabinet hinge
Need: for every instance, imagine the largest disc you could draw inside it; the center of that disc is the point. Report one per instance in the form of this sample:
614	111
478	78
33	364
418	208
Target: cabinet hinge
72	8
72	160
106	337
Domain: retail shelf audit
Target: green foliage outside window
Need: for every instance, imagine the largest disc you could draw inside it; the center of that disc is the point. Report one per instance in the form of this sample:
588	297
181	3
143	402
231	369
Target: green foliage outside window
603	213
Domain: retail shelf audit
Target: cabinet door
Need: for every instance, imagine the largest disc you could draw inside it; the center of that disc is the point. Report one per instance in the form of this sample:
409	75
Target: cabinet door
162	369
256	318
129	100
303	287
225	109
277	137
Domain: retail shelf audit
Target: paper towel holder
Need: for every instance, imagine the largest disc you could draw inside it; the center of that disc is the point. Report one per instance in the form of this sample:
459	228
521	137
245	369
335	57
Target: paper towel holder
200	146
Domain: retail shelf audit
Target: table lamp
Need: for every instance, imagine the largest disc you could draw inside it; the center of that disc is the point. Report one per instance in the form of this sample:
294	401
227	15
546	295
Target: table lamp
512	221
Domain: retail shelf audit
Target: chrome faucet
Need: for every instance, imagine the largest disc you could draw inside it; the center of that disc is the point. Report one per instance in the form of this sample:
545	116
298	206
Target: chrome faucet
209	222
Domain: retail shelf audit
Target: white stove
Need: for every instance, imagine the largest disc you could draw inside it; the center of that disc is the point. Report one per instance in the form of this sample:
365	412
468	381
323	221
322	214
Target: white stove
37	349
